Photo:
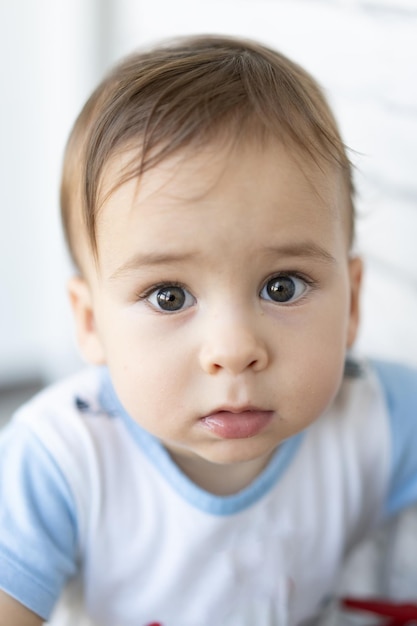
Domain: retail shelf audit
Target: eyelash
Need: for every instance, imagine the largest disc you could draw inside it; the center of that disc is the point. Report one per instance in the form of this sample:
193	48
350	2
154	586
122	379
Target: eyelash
164	283
292	274
144	295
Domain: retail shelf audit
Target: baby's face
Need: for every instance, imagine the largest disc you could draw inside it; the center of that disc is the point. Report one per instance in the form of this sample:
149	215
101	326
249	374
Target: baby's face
224	299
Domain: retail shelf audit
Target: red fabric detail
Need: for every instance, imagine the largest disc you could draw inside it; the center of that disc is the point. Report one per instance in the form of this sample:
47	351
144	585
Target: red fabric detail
402	614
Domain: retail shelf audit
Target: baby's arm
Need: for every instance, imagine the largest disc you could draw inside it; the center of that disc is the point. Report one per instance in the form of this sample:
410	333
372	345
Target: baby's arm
38	532
12	613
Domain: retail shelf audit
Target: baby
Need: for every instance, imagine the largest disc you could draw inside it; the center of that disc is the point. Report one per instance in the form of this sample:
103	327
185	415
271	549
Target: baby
221	455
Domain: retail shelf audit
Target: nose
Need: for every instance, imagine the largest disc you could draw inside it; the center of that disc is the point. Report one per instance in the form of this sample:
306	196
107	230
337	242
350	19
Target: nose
232	344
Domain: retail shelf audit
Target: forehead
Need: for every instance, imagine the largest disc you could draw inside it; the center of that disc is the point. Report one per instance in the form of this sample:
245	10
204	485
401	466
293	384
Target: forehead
251	185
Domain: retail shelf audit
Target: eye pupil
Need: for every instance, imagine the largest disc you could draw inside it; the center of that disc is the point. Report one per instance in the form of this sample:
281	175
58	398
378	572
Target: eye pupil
281	289
171	298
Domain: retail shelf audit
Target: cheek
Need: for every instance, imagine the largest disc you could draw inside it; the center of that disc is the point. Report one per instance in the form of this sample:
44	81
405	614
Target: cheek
312	387
151	394
315	357
149	369
324	378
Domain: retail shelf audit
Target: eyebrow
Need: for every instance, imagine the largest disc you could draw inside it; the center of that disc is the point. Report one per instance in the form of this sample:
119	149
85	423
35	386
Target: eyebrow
307	250
149	259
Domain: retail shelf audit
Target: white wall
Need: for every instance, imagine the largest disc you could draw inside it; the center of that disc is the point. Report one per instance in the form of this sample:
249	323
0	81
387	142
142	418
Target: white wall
364	52
48	56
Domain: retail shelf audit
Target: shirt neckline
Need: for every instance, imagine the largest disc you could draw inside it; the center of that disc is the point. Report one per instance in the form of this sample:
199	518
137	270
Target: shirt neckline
157	454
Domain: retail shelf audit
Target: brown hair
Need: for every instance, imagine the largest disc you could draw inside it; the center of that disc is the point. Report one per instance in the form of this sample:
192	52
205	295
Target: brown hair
185	93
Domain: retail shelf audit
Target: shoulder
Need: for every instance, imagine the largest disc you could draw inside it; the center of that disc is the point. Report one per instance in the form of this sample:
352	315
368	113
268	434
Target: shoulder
53	437
55	409
60	415
63	397
386	387
398	384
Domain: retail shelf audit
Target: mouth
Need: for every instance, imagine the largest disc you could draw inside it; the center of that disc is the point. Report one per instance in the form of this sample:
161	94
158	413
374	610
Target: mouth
237	423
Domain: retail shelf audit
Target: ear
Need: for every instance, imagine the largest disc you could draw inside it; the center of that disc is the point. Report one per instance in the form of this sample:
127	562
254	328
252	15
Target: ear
87	335
355	276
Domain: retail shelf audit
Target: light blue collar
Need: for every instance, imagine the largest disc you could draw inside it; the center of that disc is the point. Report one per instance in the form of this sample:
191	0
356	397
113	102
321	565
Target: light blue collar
196	496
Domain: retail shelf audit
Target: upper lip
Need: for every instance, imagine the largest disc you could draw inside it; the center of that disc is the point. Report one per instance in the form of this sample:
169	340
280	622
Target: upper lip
246	408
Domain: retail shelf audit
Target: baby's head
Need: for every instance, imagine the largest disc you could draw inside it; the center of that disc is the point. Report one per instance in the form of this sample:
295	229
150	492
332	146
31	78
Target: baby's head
207	202
183	96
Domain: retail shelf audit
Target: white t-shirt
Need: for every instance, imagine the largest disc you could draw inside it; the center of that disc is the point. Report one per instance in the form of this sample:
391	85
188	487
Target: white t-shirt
94	514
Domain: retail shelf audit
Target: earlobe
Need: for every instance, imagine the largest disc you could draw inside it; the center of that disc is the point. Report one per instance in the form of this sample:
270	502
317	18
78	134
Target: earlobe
355	274
88	338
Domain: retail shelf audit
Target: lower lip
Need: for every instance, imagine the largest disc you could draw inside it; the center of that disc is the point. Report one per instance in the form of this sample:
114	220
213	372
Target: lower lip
243	425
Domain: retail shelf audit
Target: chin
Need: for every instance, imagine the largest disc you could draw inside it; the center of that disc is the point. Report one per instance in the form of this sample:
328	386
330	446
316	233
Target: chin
234	452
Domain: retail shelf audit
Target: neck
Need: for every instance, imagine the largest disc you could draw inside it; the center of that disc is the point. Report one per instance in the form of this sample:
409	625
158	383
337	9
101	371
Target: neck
219	479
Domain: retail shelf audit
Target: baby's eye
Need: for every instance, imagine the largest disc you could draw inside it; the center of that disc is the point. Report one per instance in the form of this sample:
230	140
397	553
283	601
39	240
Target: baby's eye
170	298
284	289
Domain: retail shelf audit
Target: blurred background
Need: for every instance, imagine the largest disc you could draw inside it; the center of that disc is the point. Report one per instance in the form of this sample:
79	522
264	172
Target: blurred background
53	53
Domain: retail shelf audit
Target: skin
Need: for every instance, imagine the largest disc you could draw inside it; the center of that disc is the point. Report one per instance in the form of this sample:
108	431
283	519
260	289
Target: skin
223	224
12	613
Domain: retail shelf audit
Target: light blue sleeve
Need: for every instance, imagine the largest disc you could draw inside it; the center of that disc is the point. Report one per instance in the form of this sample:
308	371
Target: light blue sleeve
38	534
400	387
